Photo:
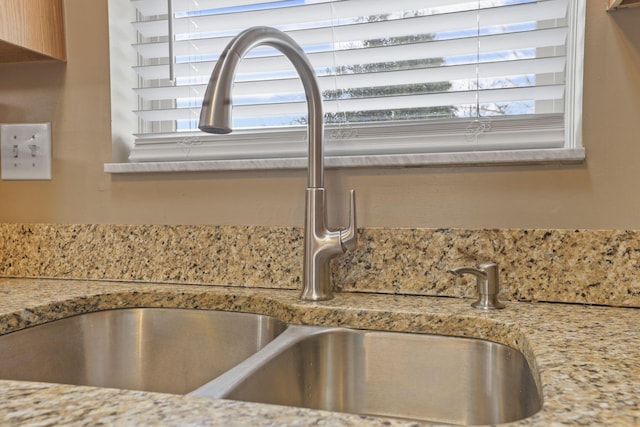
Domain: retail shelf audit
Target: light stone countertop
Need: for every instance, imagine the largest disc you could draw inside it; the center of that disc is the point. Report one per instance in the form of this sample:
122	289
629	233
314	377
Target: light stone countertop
587	357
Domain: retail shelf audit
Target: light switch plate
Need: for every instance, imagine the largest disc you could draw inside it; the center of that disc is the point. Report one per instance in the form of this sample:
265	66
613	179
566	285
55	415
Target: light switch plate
26	151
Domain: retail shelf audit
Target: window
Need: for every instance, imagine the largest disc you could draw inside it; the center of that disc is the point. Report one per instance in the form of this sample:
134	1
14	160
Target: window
404	82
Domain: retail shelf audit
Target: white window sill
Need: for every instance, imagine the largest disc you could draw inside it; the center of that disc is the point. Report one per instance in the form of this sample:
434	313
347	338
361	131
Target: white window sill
480	158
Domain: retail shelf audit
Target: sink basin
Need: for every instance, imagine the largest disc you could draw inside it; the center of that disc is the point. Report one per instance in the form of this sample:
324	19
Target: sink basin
401	375
153	349
260	359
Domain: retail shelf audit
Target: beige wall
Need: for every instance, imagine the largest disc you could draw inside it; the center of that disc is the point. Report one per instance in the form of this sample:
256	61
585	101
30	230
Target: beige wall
603	193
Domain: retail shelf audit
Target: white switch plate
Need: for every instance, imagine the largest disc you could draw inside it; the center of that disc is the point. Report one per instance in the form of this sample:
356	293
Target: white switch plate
26	151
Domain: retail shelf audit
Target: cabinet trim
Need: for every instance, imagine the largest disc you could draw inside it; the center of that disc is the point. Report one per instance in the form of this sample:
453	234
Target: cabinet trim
615	4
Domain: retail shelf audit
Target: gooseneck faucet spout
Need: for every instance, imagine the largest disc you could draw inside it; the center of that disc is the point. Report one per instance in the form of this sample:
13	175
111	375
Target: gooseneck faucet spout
320	243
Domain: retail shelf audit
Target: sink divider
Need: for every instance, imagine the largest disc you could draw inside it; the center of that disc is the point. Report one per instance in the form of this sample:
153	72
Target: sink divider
221	386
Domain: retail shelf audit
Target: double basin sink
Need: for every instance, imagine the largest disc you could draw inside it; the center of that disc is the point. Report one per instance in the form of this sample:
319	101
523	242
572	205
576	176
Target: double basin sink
257	358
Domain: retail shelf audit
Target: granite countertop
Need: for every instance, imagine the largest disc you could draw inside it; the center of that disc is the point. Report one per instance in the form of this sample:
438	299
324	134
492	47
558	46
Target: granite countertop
586	356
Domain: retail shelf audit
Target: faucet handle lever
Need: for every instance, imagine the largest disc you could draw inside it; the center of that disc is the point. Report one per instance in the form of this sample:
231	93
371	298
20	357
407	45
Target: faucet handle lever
348	236
487	282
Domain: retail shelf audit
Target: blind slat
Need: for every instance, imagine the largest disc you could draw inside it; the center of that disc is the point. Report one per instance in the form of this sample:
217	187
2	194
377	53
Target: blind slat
538	93
434	49
156	7
430	75
323	15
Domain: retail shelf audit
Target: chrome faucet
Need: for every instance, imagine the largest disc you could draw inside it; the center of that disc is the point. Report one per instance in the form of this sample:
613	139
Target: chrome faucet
320	243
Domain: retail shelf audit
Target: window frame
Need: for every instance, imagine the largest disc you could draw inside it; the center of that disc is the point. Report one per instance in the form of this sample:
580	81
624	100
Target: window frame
128	157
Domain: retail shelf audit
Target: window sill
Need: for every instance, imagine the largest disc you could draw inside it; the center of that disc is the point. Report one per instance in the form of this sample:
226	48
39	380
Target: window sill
480	158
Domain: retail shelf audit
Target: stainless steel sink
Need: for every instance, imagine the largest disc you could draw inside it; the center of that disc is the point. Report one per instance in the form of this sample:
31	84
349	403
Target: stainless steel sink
260	359
153	349
400	375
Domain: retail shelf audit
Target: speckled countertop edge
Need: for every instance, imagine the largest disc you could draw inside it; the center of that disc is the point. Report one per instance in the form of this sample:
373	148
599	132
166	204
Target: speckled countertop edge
586	356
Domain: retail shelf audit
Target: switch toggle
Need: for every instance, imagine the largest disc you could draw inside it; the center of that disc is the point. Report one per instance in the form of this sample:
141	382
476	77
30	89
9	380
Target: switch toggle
25	150
34	149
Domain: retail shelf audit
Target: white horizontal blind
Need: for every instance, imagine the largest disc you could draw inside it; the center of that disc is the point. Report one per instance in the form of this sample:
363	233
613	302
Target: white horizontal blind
402	76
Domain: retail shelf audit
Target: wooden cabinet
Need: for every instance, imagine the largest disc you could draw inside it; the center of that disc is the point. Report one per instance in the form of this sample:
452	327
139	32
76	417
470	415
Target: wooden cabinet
31	30
615	4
